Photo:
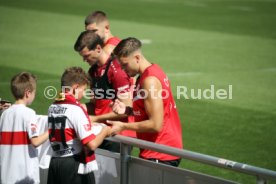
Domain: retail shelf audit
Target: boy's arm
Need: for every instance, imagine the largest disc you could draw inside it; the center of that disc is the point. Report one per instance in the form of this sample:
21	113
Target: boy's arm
38	140
94	144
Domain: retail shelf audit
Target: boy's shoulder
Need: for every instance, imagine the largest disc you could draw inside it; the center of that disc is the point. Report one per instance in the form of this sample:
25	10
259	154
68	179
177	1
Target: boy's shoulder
18	112
19	108
26	109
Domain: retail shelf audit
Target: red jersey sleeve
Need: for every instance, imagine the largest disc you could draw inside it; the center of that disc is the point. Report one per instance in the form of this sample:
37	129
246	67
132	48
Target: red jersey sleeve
118	78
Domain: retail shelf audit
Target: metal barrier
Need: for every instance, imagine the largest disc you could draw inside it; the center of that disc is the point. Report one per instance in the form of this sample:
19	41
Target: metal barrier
146	172
262	175
115	168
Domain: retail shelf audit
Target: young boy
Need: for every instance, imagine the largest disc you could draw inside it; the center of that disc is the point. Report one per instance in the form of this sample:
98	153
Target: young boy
73	138
19	135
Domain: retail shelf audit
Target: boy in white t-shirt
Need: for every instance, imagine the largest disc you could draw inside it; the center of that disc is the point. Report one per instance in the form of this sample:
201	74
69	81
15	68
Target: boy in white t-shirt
19	136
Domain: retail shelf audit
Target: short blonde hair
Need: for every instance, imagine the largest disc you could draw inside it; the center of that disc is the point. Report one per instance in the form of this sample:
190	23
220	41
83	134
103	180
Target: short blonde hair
95	17
21	83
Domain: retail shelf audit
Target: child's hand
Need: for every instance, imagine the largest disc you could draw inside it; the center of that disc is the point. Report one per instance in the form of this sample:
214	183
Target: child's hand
108	131
93	119
117	126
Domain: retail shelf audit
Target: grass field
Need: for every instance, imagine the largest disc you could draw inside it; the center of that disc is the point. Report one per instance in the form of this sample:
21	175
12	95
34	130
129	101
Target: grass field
199	43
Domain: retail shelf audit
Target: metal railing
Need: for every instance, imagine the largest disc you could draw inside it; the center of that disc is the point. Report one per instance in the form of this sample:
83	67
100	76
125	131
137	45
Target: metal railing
262	175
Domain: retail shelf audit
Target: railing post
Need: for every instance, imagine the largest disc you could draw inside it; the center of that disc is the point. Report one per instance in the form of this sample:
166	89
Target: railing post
261	180
124	163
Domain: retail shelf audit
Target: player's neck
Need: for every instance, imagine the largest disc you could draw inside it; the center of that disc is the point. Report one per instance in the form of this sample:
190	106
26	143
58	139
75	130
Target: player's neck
21	101
144	64
108	36
103	58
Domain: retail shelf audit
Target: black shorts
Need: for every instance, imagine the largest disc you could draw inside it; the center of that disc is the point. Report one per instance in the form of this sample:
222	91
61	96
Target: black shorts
174	163
65	170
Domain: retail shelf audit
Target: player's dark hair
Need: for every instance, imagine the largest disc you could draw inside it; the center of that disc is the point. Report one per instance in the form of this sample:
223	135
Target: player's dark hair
21	83
126	47
95	17
88	39
74	75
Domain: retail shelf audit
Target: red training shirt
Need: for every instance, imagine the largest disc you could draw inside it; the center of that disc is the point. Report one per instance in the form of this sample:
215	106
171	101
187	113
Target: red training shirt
171	132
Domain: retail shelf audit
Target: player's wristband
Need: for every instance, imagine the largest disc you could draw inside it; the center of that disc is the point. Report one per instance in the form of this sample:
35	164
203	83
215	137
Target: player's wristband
129	111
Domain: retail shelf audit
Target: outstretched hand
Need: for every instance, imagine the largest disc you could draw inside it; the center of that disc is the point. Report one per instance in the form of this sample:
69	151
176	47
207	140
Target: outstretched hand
93	118
116	126
108	130
118	107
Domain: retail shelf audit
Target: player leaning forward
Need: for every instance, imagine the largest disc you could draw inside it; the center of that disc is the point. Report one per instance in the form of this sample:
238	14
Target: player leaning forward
154	109
73	138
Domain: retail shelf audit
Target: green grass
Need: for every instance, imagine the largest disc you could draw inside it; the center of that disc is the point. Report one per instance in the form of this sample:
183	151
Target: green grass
198	43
